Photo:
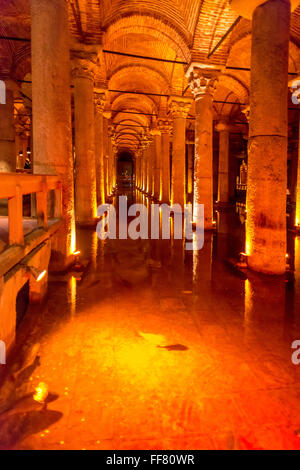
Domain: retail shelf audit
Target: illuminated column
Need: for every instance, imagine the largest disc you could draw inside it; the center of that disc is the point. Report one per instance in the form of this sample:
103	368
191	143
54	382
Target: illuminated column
51	105
203	83
21	139
105	152
114	151
85	182
99	98
7	134
179	108
144	165
267	154
138	168
149	157
156	163
223	174
152	165
190	158
165	128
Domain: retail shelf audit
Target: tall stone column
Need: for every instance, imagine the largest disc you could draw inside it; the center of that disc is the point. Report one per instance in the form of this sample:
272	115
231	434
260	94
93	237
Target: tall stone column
297	195
106	151
156	164
85	174
144	164
51	105
138	168
190	161
179	109
149	157
223	174
203	83
21	139
165	128
7	134
99	99
267	154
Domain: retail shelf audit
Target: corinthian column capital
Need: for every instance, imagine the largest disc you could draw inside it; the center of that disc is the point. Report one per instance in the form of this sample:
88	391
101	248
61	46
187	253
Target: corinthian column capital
99	100
84	64
179	106
202	81
165	126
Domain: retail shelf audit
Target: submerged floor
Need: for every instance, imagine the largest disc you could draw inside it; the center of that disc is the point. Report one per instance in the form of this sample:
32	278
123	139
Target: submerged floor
154	347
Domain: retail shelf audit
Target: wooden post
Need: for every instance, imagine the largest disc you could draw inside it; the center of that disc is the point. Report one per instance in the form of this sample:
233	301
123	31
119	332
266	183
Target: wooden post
15	216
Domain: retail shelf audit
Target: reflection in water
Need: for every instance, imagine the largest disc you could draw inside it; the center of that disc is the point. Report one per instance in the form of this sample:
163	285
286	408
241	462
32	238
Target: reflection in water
265	306
155	346
202	262
71	295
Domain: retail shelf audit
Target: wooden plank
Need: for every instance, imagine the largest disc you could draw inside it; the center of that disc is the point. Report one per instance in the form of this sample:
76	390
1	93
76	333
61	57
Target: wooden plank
14	254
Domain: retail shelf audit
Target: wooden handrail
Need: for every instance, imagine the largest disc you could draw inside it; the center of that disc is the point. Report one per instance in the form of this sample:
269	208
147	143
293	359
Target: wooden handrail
29	183
13	186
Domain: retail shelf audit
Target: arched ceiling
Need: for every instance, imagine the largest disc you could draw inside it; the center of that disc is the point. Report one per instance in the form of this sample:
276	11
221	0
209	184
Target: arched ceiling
171	30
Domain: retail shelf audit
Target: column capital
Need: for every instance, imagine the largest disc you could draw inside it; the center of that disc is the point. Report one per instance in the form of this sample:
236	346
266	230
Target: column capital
83	64
223	126
145	142
155	131
99	100
203	79
179	106
246	112
164	125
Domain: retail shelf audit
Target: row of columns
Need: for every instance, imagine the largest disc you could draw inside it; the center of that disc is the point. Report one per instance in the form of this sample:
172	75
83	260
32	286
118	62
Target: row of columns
52	126
266	198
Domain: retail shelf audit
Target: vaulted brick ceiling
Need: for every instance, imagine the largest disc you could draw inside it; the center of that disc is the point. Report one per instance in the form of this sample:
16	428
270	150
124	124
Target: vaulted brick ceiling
178	30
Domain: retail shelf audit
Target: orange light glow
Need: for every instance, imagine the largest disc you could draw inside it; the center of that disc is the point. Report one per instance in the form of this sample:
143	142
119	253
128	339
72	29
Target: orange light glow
41	392
76	252
41	275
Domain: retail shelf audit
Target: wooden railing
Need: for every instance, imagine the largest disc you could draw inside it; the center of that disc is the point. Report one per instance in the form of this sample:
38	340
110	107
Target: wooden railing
13	186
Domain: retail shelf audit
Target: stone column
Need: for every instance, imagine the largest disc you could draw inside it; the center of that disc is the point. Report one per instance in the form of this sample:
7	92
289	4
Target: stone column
165	128
85	174
179	109
267	155
297	215
7	134
99	100
149	158
106	151
156	164
190	161
223	174
51	105
144	165
138	168
203	83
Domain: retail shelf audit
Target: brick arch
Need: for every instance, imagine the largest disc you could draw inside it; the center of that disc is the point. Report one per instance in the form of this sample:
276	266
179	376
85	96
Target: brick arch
158	76
141	103
236	86
148	25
